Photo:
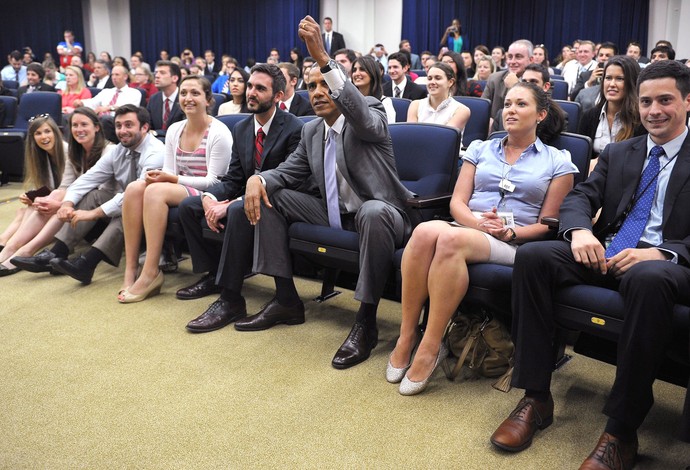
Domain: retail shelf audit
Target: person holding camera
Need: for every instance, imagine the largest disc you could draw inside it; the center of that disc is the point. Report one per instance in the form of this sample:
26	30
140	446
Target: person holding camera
452	37
591	78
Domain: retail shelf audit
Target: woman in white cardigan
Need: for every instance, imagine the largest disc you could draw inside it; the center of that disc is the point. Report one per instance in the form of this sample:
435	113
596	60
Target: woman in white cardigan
197	154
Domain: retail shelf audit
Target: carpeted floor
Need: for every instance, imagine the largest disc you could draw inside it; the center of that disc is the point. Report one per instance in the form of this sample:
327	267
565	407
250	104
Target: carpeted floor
88	383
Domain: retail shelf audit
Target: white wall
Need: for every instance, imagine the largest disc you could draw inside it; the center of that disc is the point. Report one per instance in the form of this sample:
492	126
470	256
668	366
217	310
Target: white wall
364	23
665	20
107	27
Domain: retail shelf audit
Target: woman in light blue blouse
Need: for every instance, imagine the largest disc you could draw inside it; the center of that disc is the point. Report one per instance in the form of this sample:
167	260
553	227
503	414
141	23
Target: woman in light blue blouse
505	186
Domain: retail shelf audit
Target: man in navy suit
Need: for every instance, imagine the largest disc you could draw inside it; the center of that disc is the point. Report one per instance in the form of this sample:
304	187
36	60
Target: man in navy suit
293	102
164	106
640	245
221	206
34	79
400	86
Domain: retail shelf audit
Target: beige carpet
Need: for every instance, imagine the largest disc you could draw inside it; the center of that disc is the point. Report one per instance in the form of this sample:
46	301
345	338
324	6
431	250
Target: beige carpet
88	383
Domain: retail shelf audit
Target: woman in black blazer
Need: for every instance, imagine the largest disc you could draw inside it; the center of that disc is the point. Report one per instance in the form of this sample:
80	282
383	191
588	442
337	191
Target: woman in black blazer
616	117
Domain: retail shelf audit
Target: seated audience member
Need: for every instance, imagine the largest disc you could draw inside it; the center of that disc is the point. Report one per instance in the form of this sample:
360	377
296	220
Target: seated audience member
76	61
634	51
196	70
16	70
100	77
380	54
197	153
440	107
187	58
75	90
498	54
291	101
468	62
646	261
44	163
478	52
366	76
346	58
537	75
584	62
296	58
134	62
220	84
358	126
85	145
592	77
415	61
164	106
617	116
278	133
565	57
463	87
105	56
306	66
212	66
96	195
34	81
144	80
237	86
541	57
53	77
89	64
400	86
518	56
163	55
662	53
485	67
434	264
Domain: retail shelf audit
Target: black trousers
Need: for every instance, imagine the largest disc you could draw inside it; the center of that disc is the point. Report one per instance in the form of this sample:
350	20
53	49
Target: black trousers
649	289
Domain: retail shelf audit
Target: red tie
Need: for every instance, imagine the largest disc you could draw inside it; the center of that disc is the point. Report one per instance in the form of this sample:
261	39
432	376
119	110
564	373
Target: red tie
282	106
114	100
166	113
259	147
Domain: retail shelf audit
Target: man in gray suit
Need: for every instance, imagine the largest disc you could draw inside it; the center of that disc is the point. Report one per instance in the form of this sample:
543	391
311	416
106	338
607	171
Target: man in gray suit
349	155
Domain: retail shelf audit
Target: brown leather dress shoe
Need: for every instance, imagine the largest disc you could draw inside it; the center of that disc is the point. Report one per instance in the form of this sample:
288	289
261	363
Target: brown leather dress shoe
219	314
611	454
357	347
203	287
272	314
516	432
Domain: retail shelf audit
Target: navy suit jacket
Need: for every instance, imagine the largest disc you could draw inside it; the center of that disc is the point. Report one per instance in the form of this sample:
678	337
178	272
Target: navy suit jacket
412	91
282	139
155	108
300	106
41	87
612	184
337	42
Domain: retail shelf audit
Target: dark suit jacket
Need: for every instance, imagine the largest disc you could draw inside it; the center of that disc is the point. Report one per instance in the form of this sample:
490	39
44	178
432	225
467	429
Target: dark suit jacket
495	90
412	91
41	87
580	84
282	139
337	42
155	108
612	185
589	121
364	153
300	106
108	83
217	65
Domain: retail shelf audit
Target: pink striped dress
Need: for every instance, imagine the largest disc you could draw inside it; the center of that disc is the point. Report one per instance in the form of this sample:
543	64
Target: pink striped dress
192	163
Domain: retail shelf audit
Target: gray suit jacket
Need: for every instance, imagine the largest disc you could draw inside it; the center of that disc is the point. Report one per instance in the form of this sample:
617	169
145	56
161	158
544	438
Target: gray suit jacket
364	153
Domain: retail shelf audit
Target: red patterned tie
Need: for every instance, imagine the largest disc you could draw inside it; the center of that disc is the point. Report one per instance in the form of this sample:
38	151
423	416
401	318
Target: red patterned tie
259	147
166	113
282	106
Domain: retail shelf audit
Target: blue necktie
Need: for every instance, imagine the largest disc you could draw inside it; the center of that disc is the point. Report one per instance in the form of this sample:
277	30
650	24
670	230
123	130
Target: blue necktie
328	43
331	181
633	225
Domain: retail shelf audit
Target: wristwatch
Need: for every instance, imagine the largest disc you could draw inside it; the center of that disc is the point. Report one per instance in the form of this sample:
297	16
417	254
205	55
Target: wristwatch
330	65
513	235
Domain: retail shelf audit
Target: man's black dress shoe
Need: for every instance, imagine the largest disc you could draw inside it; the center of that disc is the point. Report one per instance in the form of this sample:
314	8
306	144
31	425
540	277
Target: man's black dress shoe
7	271
203	287
35	264
272	314
357	346
77	269
219	314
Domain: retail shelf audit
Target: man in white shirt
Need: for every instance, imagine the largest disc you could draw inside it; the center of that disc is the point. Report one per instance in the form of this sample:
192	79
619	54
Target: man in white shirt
100	77
164	106
400	86
106	102
292	102
584	63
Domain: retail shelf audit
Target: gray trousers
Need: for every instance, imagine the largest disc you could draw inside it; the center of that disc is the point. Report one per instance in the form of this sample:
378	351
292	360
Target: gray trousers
381	228
110	242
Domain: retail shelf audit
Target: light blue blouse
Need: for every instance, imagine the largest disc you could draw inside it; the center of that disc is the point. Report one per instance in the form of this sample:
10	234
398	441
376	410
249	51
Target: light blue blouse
531	174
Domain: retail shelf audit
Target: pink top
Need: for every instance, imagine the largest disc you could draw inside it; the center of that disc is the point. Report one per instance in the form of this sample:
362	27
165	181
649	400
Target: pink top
68	99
